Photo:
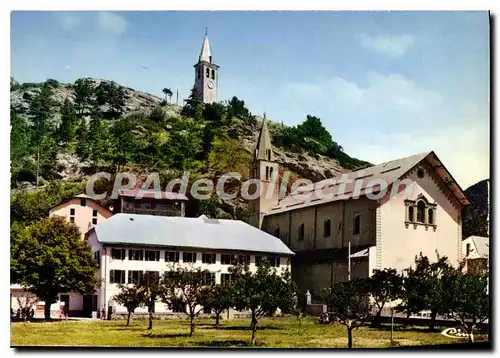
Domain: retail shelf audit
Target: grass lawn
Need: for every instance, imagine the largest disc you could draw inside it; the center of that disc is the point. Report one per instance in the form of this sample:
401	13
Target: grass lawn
273	332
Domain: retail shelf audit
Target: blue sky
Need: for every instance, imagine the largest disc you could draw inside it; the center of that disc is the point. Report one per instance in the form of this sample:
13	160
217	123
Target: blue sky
385	84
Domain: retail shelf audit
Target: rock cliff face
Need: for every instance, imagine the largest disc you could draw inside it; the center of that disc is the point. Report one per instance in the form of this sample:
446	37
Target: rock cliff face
475	218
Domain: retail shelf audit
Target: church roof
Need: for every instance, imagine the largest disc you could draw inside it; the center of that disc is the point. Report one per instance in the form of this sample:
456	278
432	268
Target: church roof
371	178
205	54
263	143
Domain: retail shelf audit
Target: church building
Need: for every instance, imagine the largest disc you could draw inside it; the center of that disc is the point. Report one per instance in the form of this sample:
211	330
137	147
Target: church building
424	215
206	74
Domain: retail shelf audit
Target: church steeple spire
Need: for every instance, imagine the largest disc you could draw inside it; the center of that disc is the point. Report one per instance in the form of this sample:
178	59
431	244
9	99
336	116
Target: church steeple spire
206	74
263	150
205	54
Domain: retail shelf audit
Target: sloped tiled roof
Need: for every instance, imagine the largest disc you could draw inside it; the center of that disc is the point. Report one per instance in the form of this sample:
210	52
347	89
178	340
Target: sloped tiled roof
172	231
375	177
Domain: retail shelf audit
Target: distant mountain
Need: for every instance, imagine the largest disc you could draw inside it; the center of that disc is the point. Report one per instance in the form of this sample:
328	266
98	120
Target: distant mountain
475	218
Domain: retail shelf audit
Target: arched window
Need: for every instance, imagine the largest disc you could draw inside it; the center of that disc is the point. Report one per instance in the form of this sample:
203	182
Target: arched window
271	173
199	72
267	173
431	216
327	228
410	214
420	211
213	74
277	232
356	224
269	154
208	73
301	232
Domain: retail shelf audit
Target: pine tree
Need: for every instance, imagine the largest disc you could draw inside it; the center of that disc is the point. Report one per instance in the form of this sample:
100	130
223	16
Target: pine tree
68	127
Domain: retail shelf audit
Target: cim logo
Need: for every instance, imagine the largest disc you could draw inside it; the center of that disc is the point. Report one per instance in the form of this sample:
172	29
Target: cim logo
454	333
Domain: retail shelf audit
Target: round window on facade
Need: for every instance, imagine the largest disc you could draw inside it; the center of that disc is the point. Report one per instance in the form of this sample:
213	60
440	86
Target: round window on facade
420	173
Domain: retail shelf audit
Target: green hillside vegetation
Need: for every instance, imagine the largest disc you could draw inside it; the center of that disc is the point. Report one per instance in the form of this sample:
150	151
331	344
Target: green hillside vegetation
94	126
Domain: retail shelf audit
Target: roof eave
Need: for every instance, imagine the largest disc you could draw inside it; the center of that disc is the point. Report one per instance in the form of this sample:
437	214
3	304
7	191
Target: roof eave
463	201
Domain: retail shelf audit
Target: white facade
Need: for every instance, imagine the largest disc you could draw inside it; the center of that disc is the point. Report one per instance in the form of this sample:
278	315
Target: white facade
109	266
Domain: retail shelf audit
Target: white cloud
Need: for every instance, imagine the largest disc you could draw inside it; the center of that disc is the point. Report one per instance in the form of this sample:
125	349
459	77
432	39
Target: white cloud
67	67
111	22
376	97
463	149
68	21
394	46
385	117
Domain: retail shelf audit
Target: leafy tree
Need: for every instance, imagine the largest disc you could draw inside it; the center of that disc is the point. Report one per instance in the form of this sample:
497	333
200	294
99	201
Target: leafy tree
116	100
27	207
131	297
83	148
123	141
69	123
52	82
262	292
113	95
208	207
218	298
19	145
49	258
183	285
185	144
97	140
467	299
385	286
426	290
84	96
227	155
236	108
349	303
157	115
41	112
194	106
168	93
150	289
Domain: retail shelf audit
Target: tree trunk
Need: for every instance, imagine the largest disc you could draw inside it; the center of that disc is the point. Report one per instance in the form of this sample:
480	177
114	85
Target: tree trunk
191	332
128	318
254	328
38	168
217	316
377	319
349	337
46	310
470	331
150	319
432	323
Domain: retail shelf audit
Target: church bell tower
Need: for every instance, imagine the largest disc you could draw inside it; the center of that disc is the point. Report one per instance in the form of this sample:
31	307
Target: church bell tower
206	74
265	170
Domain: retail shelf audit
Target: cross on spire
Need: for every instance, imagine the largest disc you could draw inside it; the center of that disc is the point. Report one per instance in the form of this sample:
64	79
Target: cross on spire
206	30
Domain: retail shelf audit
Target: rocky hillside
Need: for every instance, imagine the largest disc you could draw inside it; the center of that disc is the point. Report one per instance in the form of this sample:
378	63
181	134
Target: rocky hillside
135	101
475	218
303	164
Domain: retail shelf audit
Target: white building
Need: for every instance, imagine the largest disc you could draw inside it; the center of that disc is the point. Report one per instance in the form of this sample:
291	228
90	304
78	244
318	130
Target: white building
128	245
476	250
